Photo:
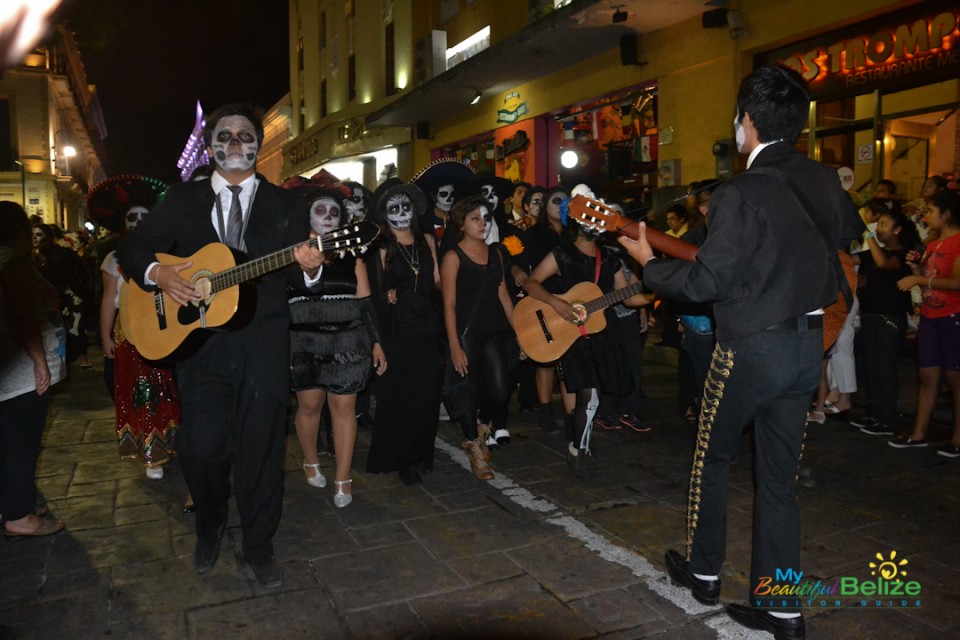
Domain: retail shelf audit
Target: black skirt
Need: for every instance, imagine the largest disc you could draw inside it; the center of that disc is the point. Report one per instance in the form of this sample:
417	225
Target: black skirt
329	346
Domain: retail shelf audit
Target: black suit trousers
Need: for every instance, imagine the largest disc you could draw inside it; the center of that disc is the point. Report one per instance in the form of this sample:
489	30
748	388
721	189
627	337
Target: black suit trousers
231	419
766	379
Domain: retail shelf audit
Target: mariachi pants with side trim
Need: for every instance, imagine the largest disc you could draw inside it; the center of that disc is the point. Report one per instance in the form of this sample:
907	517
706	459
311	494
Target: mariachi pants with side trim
766	379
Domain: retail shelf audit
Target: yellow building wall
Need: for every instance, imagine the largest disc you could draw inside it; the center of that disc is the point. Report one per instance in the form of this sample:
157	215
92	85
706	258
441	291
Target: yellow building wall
697	71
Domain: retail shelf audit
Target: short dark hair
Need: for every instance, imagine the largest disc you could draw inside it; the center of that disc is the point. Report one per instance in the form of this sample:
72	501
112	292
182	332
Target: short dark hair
247	111
680	211
463	208
14	223
948	200
778	102
890	184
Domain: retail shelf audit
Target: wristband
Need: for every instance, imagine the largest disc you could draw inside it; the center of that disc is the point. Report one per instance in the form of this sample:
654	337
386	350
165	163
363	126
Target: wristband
930	282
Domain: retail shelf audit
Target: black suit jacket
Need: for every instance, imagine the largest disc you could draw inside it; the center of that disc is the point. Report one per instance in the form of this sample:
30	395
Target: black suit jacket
765	259
181	225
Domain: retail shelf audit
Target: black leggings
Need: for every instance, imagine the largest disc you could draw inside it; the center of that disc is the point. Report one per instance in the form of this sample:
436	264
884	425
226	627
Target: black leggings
491	359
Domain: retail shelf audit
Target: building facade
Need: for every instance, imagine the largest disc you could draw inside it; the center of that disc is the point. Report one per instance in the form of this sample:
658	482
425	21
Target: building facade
51	133
636	97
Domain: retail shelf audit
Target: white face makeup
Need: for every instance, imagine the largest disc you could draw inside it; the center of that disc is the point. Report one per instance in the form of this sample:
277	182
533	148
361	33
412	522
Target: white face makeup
37	237
490	194
324	216
444	199
739	133
134	216
356	206
234	144
400	212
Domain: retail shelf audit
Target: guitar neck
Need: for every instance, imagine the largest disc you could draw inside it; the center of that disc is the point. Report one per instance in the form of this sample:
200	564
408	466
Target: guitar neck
257	267
601	303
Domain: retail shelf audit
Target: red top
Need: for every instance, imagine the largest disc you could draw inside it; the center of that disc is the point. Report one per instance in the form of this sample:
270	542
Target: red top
938	261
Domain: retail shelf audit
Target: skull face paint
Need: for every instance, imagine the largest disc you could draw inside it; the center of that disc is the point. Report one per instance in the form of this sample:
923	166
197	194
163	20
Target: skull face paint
234	144
37	237
400	212
444	199
490	194
324	216
356	205
487	223
134	216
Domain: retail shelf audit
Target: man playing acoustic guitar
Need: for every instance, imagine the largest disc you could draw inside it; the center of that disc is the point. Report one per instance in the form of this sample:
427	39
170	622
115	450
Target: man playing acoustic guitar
768	268
234	388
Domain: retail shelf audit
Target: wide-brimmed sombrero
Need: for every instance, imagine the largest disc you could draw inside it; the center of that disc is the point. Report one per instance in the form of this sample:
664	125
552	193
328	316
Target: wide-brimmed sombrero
502	186
443	171
109	201
323	179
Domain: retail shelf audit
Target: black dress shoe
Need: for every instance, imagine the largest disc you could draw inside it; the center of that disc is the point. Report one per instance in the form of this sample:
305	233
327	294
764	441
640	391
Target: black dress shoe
704	591
781	628
410	475
205	554
268	571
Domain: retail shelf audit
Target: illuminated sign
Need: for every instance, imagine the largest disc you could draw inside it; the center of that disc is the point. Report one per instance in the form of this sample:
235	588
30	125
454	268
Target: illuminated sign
910	47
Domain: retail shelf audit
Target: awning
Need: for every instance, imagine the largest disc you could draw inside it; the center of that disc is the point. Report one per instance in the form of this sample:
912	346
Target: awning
578	31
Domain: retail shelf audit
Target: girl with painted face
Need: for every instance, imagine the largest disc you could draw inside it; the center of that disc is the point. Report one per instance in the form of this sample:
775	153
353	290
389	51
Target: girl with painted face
477	313
589	365
334	343
357	202
409	393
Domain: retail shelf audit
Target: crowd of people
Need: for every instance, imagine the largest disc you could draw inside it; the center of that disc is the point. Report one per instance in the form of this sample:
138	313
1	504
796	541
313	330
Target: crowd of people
423	324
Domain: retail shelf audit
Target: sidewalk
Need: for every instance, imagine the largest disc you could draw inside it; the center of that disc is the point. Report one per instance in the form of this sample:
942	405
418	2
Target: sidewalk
532	554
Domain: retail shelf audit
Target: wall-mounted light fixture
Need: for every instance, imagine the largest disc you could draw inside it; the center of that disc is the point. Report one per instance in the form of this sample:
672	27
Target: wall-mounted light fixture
476	97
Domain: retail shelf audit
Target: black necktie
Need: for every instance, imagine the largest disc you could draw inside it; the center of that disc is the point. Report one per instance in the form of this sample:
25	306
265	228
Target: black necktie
234	219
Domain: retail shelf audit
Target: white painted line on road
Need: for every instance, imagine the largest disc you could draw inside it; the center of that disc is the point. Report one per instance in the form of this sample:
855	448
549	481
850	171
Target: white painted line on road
655	580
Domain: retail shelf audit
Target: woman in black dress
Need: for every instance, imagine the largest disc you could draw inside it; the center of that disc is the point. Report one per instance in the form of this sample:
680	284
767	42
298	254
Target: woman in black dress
477	313
593	364
409	393
333	336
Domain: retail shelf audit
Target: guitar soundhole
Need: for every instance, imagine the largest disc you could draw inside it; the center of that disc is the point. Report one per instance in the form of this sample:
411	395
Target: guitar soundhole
201	281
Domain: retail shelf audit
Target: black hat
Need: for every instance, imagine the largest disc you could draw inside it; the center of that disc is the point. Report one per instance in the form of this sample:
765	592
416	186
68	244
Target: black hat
443	171
109	201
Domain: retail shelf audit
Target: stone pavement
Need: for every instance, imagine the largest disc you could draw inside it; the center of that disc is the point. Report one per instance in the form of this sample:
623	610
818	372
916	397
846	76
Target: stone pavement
533	554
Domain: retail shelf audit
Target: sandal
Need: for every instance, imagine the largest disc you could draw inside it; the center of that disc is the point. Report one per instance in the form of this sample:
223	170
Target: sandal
45	527
340	498
317	480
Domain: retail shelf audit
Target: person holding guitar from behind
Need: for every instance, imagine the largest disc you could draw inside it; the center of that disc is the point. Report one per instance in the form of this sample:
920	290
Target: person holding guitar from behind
234	388
769	265
592	363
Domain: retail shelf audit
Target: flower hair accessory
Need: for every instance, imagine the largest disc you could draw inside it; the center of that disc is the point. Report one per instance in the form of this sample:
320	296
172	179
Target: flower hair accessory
565	211
513	245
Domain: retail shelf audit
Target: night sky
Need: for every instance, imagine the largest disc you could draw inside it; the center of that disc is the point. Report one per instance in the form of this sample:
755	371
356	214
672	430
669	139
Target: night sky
151	60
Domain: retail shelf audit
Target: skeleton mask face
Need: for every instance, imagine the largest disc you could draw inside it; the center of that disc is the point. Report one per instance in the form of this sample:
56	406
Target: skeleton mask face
356	206
444	199
234	144
134	216
490	194
37	237
487	222
400	212
324	216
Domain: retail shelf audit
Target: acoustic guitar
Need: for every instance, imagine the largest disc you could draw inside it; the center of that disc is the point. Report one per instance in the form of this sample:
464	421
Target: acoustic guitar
545	336
598	216
157	326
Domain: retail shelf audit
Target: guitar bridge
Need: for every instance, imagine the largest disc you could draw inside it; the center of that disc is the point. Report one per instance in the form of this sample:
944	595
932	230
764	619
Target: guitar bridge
544	327
160	308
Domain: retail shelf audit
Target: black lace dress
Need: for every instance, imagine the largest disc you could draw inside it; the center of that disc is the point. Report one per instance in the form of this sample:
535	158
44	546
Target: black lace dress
329	346
408	394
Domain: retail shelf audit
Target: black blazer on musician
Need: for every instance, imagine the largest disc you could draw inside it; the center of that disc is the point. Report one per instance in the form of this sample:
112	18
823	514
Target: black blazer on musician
181	225
765	259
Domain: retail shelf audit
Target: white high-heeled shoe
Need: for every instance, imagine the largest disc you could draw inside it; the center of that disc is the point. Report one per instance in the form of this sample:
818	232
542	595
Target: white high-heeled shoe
317	479
340	498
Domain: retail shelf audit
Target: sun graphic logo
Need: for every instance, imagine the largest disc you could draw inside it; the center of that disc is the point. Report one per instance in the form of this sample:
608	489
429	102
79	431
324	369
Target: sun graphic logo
888	568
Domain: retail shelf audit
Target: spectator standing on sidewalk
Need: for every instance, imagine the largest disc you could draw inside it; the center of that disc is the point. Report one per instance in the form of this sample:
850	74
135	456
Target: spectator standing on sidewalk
32	348
938	336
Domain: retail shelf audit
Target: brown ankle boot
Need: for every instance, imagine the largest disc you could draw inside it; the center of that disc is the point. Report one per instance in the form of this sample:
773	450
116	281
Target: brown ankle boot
484	434
481	470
